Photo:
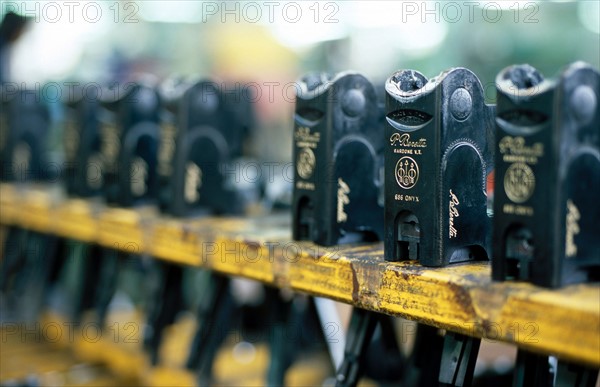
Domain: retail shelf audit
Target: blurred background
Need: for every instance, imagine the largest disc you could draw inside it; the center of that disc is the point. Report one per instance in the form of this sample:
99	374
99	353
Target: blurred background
265	46
260	48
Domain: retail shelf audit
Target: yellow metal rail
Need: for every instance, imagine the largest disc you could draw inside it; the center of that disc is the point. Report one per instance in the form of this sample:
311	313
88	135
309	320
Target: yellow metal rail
461	298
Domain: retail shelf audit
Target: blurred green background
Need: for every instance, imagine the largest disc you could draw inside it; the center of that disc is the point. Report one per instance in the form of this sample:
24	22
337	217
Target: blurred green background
266	45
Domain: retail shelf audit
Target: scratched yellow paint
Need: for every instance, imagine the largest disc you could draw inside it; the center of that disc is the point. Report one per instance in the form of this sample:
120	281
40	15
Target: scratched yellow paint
461	298
322	275
240	258
176	241
545	320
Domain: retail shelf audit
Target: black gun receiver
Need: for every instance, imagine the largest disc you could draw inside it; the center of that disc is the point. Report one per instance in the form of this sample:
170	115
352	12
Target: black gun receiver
129	133
81	143
437	158
171	91
546	200
337	153
24	130
208	129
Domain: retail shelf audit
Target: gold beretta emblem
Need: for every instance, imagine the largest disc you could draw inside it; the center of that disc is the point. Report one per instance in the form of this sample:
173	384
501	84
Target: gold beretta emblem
305	163
519	182
407	172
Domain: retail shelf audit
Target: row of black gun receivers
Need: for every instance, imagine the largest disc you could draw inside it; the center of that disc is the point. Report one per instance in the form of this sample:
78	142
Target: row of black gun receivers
413	172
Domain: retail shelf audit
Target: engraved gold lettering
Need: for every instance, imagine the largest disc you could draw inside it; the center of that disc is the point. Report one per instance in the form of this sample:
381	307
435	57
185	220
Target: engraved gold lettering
508	209
524	210
167	149
517	209
453	210
406	198
404	140
573	216
514	149
193	182
305	185
342	200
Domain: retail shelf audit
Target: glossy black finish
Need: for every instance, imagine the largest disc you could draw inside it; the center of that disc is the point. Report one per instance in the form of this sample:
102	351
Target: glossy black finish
546	207
437	157
203	132
129	133
24	131
338	161
81	143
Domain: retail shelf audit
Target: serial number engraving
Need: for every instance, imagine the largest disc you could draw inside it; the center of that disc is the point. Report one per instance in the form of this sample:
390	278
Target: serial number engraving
406	198
305	185
517	209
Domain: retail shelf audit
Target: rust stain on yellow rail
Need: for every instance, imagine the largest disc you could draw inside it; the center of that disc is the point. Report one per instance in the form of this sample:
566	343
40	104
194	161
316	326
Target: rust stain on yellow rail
462	298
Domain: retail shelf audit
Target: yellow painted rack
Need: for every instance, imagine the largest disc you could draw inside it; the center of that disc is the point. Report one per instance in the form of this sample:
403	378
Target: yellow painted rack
461	298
